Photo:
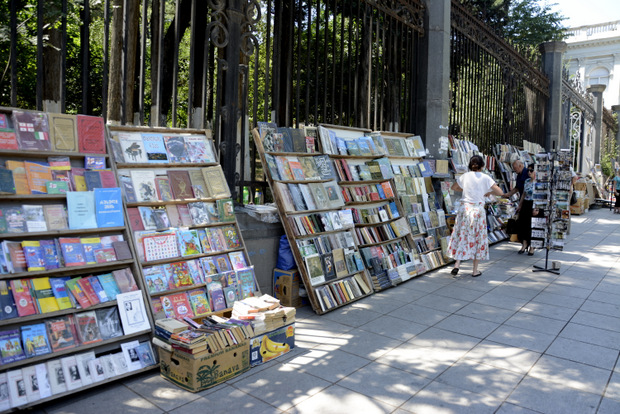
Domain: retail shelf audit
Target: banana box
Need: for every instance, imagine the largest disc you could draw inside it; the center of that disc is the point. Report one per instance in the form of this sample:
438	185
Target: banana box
287	287
272	344
197	374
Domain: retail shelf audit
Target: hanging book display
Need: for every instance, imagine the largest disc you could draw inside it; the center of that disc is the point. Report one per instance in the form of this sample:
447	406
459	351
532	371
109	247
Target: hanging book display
185	232
65	257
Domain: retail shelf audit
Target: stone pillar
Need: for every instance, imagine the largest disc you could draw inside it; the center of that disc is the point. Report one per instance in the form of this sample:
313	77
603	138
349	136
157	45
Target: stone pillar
434	95
552	66
597	92
616	109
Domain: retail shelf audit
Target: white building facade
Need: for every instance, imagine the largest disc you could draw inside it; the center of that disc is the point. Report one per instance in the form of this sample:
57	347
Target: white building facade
593	56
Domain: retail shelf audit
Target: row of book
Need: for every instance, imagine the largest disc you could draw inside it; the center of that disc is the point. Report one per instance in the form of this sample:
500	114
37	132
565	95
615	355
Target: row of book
369	192
356	170
431	260
423	222
328	266
302	197
423	168
56	176
153	245
59	333
383	232
341	291
373	215
181	215
300	168
41	131
48	254
322	222
30	384
284	139
24	297
168	185
141	148
497	235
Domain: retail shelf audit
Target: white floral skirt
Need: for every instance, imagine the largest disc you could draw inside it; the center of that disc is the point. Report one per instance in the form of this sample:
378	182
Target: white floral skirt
469	239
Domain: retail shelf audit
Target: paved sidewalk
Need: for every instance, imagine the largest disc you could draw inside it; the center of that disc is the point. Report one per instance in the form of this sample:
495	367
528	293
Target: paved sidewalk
510	341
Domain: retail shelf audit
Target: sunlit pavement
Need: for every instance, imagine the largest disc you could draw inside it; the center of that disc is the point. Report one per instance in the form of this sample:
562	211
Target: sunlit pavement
510	341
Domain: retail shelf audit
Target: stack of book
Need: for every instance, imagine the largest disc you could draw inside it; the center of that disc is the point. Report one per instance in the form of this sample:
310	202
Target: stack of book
265	313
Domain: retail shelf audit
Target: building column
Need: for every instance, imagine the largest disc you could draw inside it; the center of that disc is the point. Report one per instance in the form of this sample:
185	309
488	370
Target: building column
597	92
552	66
434	95
616	109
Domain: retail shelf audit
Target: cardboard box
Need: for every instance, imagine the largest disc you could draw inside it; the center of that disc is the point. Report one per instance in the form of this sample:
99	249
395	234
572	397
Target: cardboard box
196	374
272	344
287	287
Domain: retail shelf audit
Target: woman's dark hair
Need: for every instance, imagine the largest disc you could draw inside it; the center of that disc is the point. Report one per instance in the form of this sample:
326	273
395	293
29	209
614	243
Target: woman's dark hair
476	163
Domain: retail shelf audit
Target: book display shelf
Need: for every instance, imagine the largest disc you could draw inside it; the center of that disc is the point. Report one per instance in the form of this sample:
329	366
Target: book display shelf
191	255
319	227
72	314
420	197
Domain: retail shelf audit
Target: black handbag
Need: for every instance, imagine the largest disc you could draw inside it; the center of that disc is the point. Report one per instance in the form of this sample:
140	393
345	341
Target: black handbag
573	198
511	226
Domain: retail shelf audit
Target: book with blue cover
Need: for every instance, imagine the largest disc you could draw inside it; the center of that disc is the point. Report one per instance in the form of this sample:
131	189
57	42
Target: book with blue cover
81	210
98	289
11	346
7	303
89	245
60	292
50	254
34	338
72	251
155	148
109	285
92	179
33	252
109	207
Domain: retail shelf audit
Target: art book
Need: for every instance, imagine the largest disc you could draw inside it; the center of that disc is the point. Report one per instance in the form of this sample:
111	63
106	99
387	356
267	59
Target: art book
81	210
199	187
87	327
177	150
199	149
155	148
132	147
32	130
162	186
109	323
34	338
61	333
199	213
144	185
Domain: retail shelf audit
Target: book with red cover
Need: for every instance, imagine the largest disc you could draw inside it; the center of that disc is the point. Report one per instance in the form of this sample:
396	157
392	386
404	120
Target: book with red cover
32	130
107	179
180	184
177	306
87	328
88	290
8	140
23	297
61	333
135	220
124	280
17	255
78	293
186	218
91	137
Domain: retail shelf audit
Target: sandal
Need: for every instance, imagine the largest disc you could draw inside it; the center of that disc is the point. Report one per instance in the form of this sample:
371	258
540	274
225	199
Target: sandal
455	271
476	275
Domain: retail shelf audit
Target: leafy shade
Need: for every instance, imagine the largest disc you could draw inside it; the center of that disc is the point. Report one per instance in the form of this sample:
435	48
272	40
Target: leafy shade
530	24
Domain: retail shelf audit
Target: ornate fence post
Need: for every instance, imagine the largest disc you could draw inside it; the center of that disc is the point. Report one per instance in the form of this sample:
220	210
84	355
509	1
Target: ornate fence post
597	91
552	66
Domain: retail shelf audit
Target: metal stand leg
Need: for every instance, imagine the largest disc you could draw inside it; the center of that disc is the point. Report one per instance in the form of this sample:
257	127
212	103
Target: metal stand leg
546	268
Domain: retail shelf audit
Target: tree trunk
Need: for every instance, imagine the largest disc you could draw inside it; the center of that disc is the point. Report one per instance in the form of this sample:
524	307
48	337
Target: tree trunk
51	68
116	67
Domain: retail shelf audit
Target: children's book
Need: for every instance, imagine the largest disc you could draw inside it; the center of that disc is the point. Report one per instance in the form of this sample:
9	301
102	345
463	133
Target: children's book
195	270
178	274
247	282
199	302
10	346
233	241
226	210
189	242
216	296
34	338
156	279
199	149
177	306
238	260
209	266
222	262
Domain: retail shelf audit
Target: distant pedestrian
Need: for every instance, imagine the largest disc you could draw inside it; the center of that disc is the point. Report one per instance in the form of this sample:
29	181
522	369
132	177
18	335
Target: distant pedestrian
524	223
617	192
469	238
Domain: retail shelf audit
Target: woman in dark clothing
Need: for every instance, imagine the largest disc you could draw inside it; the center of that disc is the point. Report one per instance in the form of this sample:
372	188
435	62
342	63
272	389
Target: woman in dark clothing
524	223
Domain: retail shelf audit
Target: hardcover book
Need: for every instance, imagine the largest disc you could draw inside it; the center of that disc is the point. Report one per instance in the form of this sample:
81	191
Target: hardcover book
247	282
177	306
214	177
133	148
155	148
61	333
144	185
199	302
199	213
178	274
81	210
189	242
91	134
19	176
63	132
32	130
7	183
8	140
156	279
34	338
199	187
226	210
128	189
180	184
164	192
177	150
124	279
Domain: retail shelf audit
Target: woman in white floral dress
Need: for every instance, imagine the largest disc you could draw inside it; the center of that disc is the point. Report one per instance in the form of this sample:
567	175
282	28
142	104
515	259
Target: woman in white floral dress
469	237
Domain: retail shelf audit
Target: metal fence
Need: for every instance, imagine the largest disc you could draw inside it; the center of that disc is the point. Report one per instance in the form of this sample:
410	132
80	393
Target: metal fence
496	95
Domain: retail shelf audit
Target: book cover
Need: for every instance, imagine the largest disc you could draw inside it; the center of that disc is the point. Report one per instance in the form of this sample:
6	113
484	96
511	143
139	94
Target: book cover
82	363
184	215
37	173
180	184
178	306
22	296
34	218
7	183
109	207
78	293
19	176
199	302
247	282
230	295
44	295
8	309
199	213
158	246
121	250
87	327
16	259
15	219
57	187
145	353
33	252
109	323
8	140
154	218
55	217
92	179
156	279
237	260
61	333
89	245
105	254
91	134
59	290
63	132
10	346
216	296
216	182
144	185
222	262
133	148
81	210
199	149
128	189
125	280
162	186
32	130
208	265
109	285
135	218
34	338
56	376
189	242
108	180
71	372
226	210
87	288
129	351
177	150
155	148
266	131
199	187
178	274
93	162
132	312
72	251
233	241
